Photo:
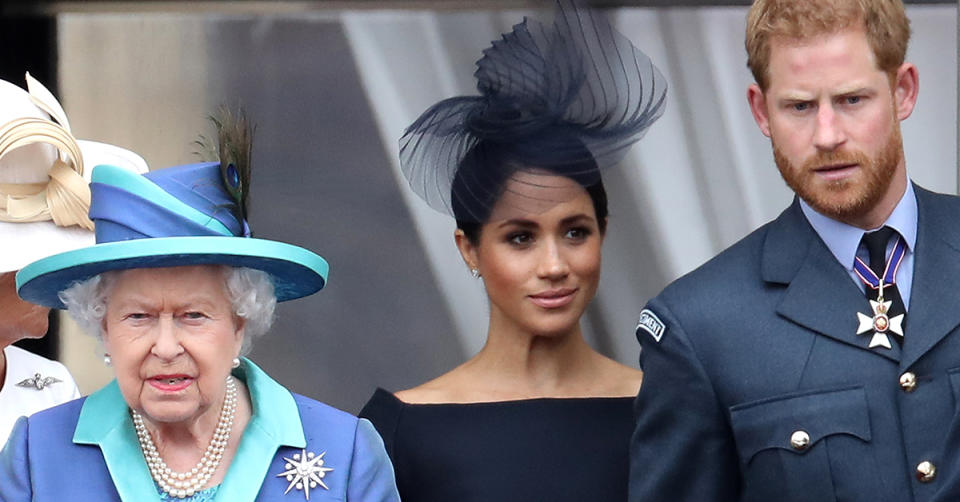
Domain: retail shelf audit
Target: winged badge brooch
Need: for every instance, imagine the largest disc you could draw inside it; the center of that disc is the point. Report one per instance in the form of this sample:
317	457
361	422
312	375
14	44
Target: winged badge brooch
38	382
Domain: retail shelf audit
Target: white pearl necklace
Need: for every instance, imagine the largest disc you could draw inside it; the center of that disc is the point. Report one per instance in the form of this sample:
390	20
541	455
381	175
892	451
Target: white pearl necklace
186	484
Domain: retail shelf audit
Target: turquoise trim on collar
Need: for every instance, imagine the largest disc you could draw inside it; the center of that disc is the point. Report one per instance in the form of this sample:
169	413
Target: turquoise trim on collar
275	413
101	412
104	421
275	422
274	409
146	189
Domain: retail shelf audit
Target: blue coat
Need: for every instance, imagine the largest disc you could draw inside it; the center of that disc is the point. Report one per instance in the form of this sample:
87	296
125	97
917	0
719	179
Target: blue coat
758	347
87	450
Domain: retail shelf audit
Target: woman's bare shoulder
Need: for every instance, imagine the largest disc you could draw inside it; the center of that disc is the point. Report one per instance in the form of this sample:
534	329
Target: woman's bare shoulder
620	380
446	388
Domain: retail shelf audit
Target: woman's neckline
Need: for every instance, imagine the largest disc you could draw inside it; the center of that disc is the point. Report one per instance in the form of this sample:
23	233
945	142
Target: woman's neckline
578	399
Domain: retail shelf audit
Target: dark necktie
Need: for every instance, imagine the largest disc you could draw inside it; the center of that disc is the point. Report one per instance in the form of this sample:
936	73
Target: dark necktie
876	244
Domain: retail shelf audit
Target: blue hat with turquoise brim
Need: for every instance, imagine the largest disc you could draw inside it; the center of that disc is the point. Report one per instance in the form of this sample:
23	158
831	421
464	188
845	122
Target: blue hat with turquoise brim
170	217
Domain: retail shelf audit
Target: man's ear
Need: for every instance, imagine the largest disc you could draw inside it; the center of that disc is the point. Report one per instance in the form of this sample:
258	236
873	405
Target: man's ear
906	87
758	106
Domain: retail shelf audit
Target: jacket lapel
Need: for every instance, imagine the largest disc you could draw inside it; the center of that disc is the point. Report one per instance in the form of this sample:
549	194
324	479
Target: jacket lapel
275	422
934	299
104	421
819	295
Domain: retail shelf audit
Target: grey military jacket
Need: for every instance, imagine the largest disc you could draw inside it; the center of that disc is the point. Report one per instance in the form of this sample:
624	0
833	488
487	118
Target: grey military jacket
757	387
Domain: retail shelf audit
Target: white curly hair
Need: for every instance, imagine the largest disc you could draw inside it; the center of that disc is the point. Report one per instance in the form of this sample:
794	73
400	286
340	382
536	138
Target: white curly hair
250	292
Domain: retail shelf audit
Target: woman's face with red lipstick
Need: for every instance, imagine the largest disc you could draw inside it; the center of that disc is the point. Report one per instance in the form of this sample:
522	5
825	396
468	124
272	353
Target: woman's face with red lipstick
540	265
172	336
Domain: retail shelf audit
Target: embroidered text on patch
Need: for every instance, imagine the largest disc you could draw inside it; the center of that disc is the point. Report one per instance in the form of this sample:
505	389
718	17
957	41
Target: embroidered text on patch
652	324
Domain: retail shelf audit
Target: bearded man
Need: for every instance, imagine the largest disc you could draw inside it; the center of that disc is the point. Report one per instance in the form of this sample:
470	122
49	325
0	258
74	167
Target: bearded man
818	359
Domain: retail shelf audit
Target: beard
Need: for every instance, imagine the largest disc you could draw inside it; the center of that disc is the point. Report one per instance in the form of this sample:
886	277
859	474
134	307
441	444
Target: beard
846	199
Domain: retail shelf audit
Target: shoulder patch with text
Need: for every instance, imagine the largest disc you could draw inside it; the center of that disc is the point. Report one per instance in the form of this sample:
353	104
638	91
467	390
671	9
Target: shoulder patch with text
652	324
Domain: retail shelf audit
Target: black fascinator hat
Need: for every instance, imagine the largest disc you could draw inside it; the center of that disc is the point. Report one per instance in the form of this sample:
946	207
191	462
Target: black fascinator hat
567	98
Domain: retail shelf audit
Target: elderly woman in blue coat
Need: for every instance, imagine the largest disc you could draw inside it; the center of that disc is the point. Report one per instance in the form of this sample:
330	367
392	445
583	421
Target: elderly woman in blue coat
176	290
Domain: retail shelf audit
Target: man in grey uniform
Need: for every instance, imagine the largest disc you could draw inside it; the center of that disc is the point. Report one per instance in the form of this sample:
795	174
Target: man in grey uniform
818	359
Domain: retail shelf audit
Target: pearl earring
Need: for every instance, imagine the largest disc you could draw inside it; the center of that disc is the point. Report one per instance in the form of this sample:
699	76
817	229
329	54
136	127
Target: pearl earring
107	361
235	363
475	272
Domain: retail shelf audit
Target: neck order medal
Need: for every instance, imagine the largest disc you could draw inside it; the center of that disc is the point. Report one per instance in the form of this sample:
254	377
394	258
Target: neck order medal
880	323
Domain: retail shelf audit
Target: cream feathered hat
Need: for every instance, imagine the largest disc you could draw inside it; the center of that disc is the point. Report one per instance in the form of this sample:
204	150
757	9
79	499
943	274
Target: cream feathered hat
45	175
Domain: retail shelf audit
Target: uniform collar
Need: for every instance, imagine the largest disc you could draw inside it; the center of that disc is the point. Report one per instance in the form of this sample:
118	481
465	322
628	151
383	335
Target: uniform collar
105	421
843	240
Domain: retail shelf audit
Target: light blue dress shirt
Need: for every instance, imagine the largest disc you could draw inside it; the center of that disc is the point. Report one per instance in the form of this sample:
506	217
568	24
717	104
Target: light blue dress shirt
844	240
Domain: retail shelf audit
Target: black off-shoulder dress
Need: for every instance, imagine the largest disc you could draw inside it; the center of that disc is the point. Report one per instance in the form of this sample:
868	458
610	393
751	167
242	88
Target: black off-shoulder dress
530	450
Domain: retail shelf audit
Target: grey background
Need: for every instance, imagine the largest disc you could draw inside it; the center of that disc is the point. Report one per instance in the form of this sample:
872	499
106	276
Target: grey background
322	181
331	91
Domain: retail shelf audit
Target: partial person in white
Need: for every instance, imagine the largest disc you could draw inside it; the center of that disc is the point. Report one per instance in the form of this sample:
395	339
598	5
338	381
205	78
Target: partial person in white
44	199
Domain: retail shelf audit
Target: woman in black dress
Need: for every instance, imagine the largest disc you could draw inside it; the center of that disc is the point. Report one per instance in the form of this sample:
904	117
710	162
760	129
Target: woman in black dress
537	414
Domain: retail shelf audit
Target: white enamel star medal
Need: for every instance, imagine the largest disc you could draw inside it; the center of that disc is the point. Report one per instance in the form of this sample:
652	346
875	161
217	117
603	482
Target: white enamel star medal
880	323
305	471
